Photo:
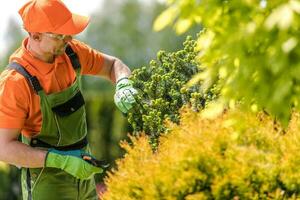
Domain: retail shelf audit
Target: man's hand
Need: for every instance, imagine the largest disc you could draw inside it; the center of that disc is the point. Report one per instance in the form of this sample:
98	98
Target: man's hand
72	162
124	96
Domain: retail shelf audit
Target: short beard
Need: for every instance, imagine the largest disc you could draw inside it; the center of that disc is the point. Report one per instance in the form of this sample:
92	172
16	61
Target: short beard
61	51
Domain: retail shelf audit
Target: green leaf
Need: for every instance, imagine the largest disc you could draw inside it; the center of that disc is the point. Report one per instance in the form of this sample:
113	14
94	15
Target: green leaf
182	25
165	18
281	17
4	167
289	45
295	5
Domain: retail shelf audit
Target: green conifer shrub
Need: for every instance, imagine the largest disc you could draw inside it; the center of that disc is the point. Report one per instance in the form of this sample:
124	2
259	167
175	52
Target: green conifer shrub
162	90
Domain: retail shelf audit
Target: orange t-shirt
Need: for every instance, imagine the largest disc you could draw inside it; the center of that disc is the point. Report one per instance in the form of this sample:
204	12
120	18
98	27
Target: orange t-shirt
19	104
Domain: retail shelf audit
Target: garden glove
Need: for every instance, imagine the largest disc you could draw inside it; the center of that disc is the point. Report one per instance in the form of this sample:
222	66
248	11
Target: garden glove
72	162
124	96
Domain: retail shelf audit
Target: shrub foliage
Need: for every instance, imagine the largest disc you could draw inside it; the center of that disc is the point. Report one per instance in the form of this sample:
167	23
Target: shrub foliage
251	45
250	50
238	155
163	91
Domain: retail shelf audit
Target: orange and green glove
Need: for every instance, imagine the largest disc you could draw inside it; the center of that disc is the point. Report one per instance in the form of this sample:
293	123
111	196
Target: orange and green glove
125	95
72	162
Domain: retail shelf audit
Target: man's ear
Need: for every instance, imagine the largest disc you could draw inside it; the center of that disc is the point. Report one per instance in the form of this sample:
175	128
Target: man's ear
35	36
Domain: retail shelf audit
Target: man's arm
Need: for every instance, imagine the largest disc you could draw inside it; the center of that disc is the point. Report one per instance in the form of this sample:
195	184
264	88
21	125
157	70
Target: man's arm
16	153
114	69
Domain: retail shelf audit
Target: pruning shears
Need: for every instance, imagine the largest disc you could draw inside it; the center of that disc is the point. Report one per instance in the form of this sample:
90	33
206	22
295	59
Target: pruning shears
95	162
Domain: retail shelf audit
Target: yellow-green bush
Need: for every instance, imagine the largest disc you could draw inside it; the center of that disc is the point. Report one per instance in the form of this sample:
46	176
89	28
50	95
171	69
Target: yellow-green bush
233	156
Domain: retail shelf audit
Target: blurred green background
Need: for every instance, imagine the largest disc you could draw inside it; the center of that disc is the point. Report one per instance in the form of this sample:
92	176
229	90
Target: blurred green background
122	29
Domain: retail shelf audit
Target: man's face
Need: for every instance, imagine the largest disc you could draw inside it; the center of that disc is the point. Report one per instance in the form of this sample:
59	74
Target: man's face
54	44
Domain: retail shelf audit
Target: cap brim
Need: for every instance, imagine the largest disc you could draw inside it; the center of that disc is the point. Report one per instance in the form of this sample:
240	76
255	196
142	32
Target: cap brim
74	25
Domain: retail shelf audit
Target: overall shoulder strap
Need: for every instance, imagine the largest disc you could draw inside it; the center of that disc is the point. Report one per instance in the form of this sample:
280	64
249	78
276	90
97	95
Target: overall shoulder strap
33	80
73	57
35	84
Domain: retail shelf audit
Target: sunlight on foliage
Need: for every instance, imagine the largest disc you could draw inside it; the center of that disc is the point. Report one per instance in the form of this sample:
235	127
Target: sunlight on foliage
213	110
236	155
165	19
182	25
4	167
251	48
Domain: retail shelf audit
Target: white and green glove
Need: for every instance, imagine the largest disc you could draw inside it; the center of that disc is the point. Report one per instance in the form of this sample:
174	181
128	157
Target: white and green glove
124	96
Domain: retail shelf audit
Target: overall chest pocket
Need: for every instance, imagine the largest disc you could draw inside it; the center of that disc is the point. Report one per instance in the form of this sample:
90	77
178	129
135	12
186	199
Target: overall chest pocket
69	107
70	119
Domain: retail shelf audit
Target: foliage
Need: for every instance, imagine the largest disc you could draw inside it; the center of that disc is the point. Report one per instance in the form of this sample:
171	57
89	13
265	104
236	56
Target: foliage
236	155
10	175
9	182
124	29
106	127
4	178
252	46
13	37
162	90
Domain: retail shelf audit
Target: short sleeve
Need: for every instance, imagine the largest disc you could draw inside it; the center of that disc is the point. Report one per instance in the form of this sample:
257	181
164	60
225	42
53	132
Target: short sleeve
91	60
14	101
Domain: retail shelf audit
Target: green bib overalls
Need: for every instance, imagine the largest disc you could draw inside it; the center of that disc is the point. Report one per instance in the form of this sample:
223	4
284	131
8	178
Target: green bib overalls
64	128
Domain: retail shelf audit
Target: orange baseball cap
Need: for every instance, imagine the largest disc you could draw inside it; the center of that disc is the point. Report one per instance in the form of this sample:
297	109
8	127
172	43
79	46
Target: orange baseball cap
51	16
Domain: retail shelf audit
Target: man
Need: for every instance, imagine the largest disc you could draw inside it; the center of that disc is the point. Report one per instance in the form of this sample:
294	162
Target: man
40	98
